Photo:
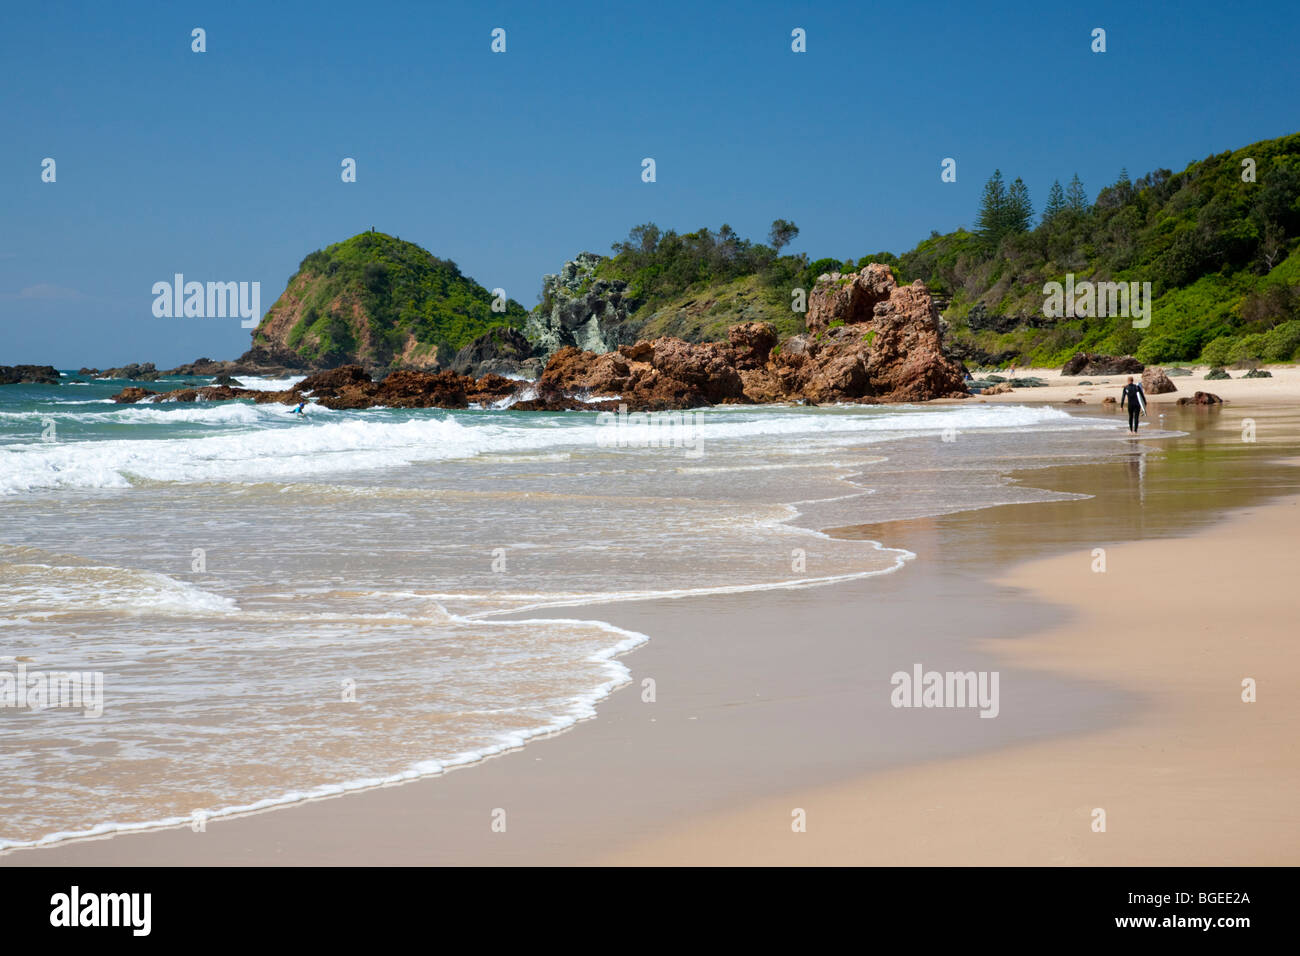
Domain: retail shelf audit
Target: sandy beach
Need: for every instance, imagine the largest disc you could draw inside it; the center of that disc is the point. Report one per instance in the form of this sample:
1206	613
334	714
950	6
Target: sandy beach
1282	388
1119	690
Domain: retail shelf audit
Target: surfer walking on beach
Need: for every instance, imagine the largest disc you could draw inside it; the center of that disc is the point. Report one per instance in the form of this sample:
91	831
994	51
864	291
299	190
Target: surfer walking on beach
1136	401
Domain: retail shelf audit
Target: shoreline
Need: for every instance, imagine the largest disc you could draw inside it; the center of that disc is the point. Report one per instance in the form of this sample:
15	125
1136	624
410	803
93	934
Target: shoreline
1196	763
292	826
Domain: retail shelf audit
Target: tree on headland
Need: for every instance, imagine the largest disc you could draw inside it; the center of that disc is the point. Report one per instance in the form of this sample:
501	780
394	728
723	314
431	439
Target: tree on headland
782	233
1020	211
991	221
1075	197
1055	202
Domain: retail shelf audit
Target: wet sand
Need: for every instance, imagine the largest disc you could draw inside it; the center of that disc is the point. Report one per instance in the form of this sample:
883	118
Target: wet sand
766	698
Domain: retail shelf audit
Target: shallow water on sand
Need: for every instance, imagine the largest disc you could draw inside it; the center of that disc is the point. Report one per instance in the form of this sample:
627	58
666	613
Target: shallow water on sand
282	607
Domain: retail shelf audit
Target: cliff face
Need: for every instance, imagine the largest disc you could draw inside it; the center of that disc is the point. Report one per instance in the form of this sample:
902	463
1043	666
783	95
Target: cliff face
376	301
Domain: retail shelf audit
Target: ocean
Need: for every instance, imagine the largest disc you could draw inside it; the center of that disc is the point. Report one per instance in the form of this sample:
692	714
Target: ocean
281	607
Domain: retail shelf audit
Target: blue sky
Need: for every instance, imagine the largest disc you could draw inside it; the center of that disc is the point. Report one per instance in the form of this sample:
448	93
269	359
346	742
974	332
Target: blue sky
225	165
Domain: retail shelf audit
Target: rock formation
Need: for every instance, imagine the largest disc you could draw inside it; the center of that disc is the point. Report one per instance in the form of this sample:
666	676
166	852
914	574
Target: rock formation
1092	363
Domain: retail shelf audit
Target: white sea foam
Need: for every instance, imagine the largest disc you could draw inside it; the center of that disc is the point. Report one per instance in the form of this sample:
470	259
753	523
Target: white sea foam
364	441
581	706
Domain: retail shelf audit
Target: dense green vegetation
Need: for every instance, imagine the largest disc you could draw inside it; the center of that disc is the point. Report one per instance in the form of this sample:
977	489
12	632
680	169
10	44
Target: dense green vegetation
360	299
1222	255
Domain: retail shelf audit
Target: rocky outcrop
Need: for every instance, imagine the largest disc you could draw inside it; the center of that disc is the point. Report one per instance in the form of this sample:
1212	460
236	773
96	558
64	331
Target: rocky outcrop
895	355
876	342
580	311
869	339
501	351
29	375
1156	382
1092	363
1201	398
351	387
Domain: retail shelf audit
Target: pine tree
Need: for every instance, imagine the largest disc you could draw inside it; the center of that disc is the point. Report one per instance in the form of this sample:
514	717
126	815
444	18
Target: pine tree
991	223
1124	186
1020	211
1055	202
1075	197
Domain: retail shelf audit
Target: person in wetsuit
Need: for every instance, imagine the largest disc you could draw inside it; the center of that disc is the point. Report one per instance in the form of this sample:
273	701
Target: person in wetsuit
1130	395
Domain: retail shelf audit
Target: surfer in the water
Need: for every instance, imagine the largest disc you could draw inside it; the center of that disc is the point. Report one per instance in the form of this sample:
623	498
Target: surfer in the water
1137	403
302	405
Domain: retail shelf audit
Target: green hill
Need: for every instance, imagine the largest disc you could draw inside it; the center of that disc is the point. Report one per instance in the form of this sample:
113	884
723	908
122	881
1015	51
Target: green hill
380	302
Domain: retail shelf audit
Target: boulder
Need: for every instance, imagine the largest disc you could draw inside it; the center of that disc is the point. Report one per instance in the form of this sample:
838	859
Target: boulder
1216	374
1156	382
1258	373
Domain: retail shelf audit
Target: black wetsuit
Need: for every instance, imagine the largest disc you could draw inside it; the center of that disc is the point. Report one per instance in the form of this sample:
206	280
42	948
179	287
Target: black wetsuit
1130	397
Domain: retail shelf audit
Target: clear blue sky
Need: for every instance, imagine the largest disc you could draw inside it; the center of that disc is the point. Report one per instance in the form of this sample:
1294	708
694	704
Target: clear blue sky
225	165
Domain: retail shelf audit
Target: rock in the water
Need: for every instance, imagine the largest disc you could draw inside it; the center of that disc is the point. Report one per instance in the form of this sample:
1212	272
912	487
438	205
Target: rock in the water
1258	373
132	394
1156	382
1093	363
29	375
1216	374
1201	398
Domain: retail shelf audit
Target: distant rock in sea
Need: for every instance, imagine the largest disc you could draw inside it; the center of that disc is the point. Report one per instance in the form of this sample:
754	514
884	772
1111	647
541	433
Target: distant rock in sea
29	375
